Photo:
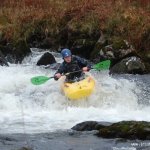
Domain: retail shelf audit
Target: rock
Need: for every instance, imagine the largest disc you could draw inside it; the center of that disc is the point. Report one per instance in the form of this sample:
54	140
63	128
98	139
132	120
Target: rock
120	49
145	55
6	49
124	129
98	46
90	125
145	41
46	43
46	59
25	148
83	47
85	126
127	129
115	50
131	65
53	66
3	60
21	49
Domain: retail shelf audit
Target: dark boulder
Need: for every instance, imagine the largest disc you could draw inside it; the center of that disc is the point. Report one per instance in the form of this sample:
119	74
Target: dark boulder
90	125
3	60
46	43
114	50
127	129
130	65
83	47
20	50
102	42
46	59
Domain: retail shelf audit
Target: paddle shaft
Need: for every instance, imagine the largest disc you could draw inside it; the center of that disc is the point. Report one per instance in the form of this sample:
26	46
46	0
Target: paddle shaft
42	79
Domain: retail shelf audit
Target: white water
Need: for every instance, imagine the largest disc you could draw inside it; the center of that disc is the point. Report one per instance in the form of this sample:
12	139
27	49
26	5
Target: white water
28	108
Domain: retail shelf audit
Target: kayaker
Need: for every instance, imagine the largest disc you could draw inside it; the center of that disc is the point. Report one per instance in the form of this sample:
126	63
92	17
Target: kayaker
72	64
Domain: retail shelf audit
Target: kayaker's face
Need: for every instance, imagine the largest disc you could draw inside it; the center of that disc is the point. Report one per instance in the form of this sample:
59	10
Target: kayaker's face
67	59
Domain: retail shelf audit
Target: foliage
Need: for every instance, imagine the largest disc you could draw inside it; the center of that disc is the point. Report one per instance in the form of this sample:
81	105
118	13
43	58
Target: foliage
129	19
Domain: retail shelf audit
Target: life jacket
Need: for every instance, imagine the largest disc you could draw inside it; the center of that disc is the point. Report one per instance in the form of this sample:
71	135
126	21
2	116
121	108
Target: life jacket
73	66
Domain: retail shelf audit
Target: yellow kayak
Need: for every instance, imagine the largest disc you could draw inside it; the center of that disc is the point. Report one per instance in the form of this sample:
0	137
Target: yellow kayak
80	89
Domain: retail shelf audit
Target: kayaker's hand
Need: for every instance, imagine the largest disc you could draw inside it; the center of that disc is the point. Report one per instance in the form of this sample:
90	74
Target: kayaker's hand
85	69
57	76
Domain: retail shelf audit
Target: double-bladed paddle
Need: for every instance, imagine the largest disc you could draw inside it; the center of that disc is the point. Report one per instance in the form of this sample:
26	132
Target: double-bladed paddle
104	65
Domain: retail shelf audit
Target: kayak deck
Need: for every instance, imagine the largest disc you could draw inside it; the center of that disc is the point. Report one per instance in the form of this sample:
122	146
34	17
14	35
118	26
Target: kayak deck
79	90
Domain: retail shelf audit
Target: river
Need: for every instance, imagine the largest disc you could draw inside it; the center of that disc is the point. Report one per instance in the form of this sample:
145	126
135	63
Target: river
26	109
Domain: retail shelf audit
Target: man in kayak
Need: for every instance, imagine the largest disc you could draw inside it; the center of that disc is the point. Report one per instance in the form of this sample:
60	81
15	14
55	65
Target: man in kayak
73	65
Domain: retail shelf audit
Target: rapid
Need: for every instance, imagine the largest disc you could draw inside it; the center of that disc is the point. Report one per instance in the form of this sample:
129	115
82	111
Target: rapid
26	108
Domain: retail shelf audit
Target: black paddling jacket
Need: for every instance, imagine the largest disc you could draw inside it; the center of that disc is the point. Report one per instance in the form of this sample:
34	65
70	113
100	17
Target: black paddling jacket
76	64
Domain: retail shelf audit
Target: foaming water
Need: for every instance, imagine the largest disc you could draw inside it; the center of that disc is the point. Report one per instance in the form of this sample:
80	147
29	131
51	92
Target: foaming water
28	108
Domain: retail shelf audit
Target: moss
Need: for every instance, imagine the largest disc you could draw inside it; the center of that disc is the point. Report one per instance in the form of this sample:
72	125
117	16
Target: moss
127	129
118	43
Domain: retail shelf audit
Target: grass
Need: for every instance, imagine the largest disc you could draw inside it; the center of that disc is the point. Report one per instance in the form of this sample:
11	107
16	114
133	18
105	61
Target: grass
129	19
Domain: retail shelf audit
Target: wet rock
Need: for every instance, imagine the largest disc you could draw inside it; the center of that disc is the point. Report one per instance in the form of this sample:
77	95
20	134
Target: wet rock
83	47
114	50
85	126
124	129
25	148
46	59
21	49
46	43
90	125
121	48
6	49
3	60
131	65
127	129
53	66
4	138
98	46
144	55
145	40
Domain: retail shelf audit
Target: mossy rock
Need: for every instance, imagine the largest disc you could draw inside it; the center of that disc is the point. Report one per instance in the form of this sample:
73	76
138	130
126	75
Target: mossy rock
127	129
129	65
118	43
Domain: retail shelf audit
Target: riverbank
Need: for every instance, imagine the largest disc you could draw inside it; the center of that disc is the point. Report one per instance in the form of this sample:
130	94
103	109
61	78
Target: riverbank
94	29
